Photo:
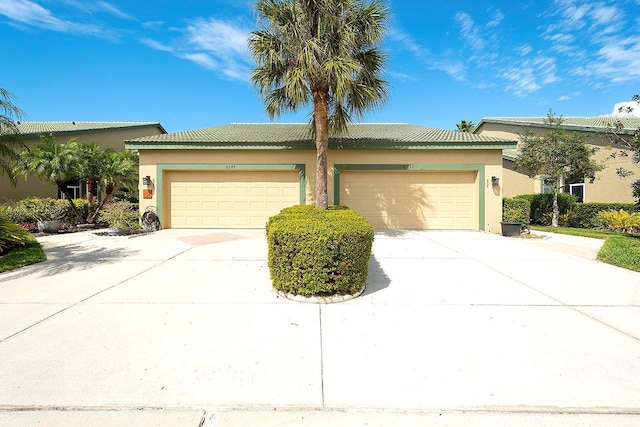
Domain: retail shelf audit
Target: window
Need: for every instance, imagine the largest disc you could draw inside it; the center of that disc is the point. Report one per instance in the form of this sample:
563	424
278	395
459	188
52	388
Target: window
75	189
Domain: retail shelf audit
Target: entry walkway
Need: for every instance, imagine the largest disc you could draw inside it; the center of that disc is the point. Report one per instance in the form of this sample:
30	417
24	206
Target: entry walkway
181	328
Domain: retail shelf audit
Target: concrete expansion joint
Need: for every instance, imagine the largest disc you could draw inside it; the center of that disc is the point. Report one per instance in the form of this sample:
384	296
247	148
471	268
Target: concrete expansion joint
210	412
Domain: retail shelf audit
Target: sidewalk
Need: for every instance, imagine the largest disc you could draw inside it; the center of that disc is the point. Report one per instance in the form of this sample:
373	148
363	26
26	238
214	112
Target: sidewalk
584	247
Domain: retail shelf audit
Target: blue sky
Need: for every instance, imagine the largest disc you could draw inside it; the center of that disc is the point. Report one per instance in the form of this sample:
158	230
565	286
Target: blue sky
185	63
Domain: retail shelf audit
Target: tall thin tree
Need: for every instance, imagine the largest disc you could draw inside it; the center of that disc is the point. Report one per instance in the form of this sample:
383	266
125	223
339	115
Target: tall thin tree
9	134
324	52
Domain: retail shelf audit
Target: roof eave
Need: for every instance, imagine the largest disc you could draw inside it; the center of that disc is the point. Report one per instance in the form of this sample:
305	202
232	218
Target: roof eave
155	145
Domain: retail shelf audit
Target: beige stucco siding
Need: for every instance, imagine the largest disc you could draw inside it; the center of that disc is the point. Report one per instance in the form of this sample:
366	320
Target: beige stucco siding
516	183
607	187
486	162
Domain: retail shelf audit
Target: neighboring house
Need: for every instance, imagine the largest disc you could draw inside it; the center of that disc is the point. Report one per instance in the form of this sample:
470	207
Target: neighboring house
607	187
106	134
399	176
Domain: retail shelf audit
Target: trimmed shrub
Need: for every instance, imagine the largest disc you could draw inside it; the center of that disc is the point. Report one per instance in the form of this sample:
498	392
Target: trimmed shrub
620	220
319	252
11	234
542	206
585	215
516	210
121	214
29	211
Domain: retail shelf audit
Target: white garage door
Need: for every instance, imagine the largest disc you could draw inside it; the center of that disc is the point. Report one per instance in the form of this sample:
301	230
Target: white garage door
413	199
228	199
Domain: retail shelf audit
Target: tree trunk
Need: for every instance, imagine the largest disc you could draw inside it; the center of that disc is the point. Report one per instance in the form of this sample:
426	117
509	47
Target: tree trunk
107	195
556	209
92	187
320	115
62	186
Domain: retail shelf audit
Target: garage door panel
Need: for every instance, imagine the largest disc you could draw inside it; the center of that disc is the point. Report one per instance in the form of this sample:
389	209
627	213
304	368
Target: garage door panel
228	199
413	199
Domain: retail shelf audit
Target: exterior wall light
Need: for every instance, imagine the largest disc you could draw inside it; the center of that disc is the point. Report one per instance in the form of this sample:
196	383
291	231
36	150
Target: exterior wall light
495	181
146	180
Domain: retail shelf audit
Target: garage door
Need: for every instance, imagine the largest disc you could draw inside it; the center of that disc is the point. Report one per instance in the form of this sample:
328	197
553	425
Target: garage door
236	199
413	199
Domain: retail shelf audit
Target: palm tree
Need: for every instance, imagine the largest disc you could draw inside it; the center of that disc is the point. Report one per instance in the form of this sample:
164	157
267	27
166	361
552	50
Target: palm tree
466	126
118	169
9	134
53	163
93	159
322	52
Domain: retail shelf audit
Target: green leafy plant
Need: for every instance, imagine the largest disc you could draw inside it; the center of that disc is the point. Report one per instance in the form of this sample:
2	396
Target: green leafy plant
555	155
11	234
515	210
620	220
541	206
319	252
121	214
585	215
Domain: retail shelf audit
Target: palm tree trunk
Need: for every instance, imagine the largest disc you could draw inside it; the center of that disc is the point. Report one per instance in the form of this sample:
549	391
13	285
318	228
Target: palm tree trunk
92	190
107	195
62	186
320	115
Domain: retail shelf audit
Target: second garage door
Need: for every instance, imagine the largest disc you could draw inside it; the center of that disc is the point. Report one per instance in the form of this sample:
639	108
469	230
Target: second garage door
413	199
222	199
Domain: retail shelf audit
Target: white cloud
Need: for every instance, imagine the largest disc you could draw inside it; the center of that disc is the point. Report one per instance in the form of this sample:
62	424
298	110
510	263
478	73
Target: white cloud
530	75
497	19
564	98
619	59
408	43
108	7
214	44
524	50
30	13
469	31
220	38
154	44
626	109
201	59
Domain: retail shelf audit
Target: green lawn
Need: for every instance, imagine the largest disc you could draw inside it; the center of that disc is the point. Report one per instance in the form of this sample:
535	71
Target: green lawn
620	249
21	256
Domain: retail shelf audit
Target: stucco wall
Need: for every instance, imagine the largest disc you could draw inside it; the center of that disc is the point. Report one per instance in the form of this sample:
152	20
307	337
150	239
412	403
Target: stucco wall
491	159
607	187
106	138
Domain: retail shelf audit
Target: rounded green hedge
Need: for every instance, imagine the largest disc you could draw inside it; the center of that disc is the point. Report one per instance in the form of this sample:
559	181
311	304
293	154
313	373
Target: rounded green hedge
317	252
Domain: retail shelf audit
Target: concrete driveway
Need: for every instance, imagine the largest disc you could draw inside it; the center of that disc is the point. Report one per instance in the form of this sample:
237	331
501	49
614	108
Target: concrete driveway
181	328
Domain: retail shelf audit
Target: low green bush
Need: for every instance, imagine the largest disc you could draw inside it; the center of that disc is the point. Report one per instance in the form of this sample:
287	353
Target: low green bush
11	234
621	220
516	210
542	206
27	212
585	215
121	214
319	252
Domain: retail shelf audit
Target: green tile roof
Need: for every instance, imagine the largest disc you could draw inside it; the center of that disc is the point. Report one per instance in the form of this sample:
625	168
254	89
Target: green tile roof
296	136
36	128
586	124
